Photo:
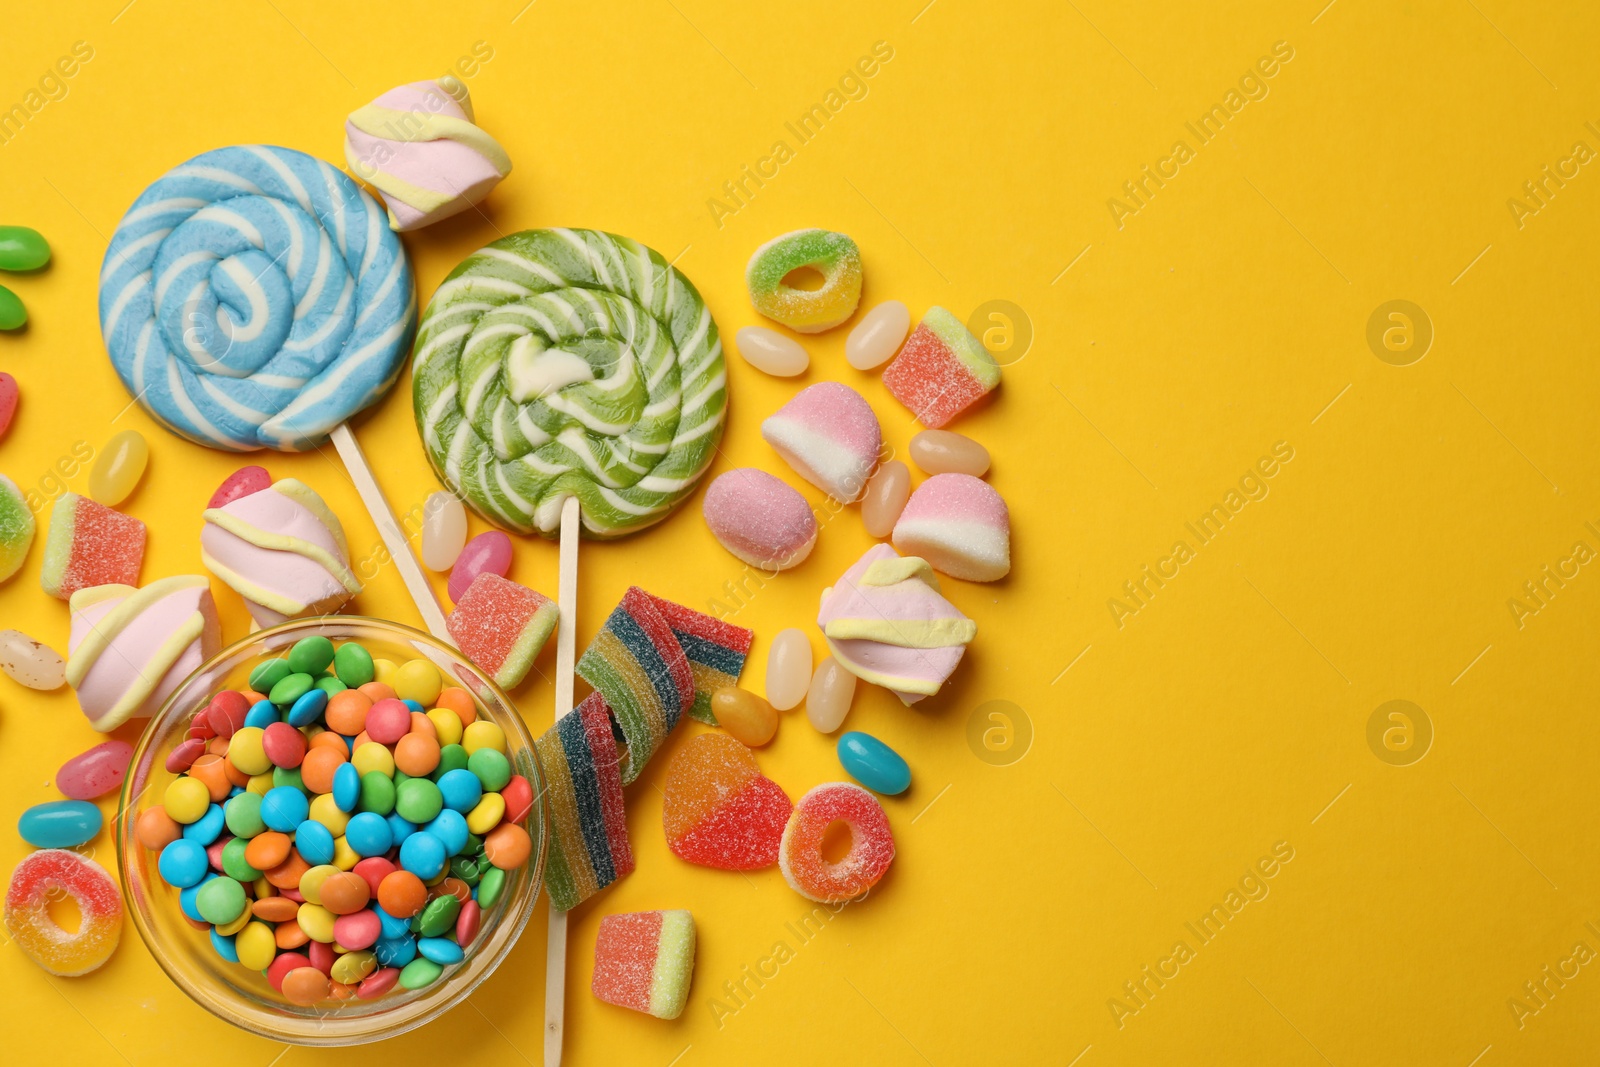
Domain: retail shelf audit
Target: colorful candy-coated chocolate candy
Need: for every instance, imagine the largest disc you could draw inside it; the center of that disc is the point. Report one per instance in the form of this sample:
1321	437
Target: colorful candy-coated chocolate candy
311	655
220	900
502	626
207	828
829	435
871	850
828	699
345	893
240	483
226	712
832	255
353	665
43	877
960	525
718	808
507	846
9	395
747	717
59	824
788	668
489	552
186	799
17	528
183	863
423	855
645	960
22	249
419	973
31	663
760	519
873	763
942	370
771	352
87	545
13	315
378	983
878	335
444	531
439	915
118	468
418	680
886	498
467	923
948	452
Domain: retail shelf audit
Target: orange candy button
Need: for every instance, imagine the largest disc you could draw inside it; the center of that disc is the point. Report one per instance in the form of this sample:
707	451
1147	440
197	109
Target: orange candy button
507	846
402	894
275	909
459	701
417	753
156	829
305	985
345	893
212	772
286	875
290	935
347	711
267	850
318	768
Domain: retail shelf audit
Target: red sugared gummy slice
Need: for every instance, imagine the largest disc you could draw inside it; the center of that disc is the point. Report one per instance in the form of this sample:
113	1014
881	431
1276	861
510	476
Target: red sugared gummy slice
929	378
625	959
502	626
90	544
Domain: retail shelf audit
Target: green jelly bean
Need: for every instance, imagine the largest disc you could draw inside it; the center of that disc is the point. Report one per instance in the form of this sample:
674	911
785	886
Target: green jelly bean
492	769
311	655
419	972
289	776
13	316
234	865
291	688
439	915
418	800
268	674
353	665
331	686
377	793
451	758
243	816
467	869
22	248
490	887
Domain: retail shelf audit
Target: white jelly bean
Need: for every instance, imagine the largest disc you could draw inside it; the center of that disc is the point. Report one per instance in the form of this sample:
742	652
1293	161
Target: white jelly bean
788	669
828	699
947	452
32	663
878	335
771	352
444	531
886	497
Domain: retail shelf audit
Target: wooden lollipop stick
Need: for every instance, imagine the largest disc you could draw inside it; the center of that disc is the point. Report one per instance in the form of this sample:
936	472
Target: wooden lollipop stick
555	971
394	539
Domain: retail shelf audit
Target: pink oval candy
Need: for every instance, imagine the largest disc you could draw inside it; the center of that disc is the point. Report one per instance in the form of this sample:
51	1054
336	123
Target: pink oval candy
96	772
184	753
8	401
242	482
378	983
760	519
489	552
357	930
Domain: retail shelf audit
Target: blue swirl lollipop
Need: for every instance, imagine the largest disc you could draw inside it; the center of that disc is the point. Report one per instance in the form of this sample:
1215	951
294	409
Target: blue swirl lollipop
255	297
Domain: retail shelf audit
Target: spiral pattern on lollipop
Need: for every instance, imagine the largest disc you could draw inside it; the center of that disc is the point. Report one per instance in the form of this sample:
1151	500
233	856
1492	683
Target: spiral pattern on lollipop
255	297
559	363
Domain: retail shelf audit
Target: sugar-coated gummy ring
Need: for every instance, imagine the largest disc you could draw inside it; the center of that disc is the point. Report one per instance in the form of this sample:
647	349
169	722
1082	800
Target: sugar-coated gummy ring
561	363
833	255
871	843
28	918
255	297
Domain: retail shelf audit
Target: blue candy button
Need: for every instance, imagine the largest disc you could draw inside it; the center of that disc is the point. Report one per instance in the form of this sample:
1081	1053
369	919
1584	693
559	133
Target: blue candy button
284	808
440	950
183	863
304	711
422	854
314	842
207	828
261	715
368	834
450	827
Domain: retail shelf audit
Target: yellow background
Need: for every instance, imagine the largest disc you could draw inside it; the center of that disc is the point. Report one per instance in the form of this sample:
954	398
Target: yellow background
1228	314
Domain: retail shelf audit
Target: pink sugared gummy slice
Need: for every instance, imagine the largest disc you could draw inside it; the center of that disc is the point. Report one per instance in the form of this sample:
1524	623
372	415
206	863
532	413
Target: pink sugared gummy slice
960	525
501	626
830	436
102	547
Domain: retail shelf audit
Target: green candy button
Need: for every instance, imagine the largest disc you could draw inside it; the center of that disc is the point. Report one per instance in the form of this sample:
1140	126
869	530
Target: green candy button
377	793
439	915
268	674
490	887
353	665
311	655
418	973
243	817
234	865
418	801
222	900
290	688
492	769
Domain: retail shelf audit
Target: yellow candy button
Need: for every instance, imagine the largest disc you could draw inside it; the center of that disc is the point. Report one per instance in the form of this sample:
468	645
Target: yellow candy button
483	734
447	724
383	670
311	882
186	800
245	751
418	680
344	857
325	811
487	814
373	757
229	929
260	783
256	946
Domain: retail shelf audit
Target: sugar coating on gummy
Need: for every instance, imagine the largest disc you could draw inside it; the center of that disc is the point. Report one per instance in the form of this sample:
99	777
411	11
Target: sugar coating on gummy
830	436
419	145
887	623
718	809
282	550
17	528
644	960
502	626
130	648
942	370
45	876
638	666
716	652
833	255
960	525
90	544
871	851
589	835
758	518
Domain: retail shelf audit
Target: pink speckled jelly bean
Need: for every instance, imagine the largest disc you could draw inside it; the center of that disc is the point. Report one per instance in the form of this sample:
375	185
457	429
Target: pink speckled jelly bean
489	551
242	482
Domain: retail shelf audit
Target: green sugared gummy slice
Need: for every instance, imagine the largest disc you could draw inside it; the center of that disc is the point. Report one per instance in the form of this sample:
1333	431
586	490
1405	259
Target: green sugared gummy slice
242	814
268	674
311	655
289	776
490	886
439	915
491	767
353	665
968	349
17	528
234	864
419	972
331	686
377	793
289	689
451	758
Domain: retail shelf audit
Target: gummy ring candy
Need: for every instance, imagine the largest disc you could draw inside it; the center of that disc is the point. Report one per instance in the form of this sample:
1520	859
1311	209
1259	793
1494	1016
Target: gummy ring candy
833	255
871	843
56	870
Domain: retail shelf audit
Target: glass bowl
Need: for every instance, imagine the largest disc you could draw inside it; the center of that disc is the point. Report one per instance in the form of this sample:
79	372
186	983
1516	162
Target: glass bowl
241	996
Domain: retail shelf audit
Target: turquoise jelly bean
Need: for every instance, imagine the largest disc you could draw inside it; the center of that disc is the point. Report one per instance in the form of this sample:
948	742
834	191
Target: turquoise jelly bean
873	763
59	824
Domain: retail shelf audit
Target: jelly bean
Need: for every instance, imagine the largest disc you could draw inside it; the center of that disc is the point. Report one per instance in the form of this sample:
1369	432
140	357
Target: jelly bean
873	763
878	335
283	745
947	452
507	846
9	395
423	855
183	863
368	834
353	665
284	808
155	829
96	772
22	249
13	316
491	886
489	552
771	352
439	916
305	986
467	923
220	900
459	790
483	734
31	663
440	950
186	799
269	673
750	719
418	680
444	531
118	468
208	827
887	493
311	655
346	788
450	827
788	668
828	699
242	482
59	824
